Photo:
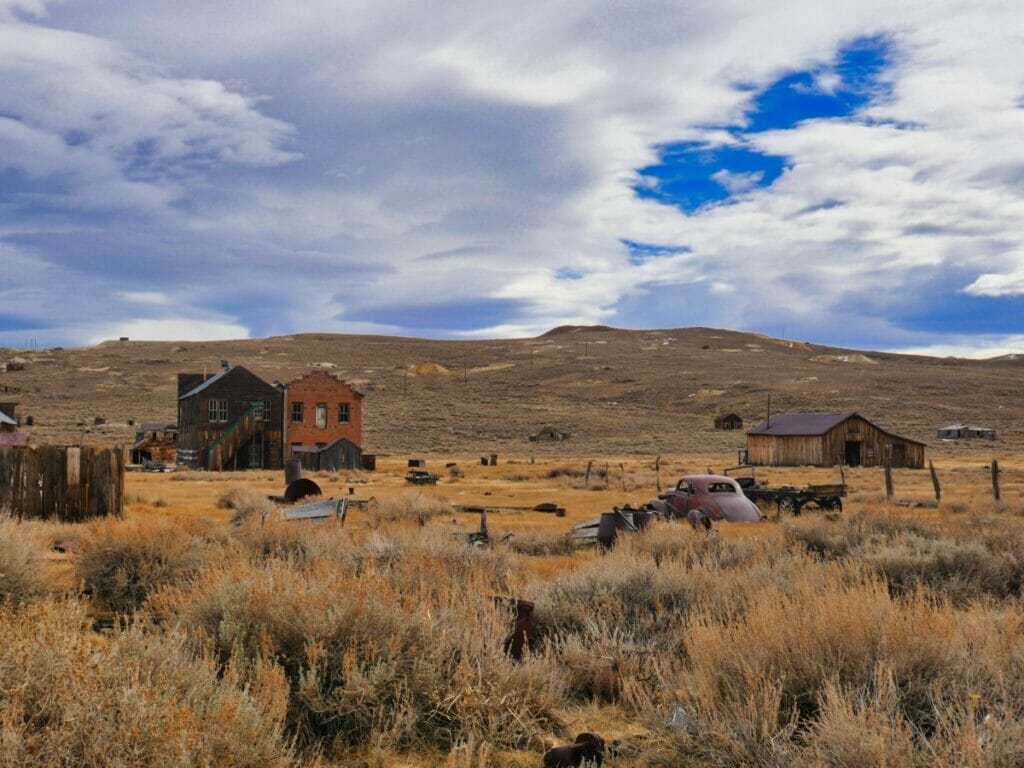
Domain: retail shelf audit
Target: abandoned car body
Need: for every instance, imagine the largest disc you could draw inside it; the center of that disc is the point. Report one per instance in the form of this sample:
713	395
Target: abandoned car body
718	496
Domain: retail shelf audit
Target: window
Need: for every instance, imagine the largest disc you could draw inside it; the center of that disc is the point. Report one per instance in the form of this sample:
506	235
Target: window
262	411
297	412
321	415
217	410
343	413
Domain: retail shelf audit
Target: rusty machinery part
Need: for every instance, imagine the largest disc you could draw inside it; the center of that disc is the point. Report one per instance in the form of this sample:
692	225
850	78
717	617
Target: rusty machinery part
300	489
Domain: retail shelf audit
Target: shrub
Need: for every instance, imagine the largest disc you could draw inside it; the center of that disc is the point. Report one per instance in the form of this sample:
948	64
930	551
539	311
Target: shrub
136	701
122	562
246	504
22	566
409	507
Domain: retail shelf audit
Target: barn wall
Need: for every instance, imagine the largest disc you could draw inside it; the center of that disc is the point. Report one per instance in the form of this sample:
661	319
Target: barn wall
874	445
785	450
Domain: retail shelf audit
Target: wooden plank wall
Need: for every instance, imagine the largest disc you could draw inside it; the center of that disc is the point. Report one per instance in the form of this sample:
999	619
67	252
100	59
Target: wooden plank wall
60	483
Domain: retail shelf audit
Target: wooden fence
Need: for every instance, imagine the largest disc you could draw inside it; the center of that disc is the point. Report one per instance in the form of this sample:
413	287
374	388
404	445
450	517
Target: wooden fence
62	483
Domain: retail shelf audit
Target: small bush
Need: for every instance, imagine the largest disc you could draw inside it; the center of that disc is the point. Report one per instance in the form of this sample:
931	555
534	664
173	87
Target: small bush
245	503
21	561
136	701
409	507
122	562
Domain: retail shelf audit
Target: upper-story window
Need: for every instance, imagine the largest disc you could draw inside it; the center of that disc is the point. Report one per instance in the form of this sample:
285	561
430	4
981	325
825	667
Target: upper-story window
297	414
321	415
262	411
343	413
217	410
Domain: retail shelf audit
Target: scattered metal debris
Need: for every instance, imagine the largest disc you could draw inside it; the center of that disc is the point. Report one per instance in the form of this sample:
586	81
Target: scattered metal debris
317	511
300	489
604	530
421	477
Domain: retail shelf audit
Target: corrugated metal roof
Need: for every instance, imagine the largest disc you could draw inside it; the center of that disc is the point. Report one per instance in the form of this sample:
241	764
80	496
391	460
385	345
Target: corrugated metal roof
800	423
205	384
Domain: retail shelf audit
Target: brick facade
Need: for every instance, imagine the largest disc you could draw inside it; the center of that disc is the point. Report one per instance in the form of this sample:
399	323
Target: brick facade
321	389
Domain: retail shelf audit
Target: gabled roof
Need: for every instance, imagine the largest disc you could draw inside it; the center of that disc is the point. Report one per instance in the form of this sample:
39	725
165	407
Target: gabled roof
800	423
814	424
205	384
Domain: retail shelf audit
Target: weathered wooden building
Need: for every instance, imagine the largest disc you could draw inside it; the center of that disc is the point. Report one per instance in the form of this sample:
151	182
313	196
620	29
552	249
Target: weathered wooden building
324	422
966	432
827	439
231	420
155	442
728	421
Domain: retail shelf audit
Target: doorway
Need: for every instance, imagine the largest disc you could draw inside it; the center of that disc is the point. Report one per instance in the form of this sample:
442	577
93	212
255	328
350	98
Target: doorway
852	453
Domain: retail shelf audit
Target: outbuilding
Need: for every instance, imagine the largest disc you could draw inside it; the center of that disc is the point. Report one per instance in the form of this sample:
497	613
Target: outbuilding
960	431
728	421
827	439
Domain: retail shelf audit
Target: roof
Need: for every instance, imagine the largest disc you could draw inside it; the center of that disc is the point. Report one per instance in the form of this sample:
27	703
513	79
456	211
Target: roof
5	419
313	448
13	438
958	425
205	384
813	424
800	423
157	426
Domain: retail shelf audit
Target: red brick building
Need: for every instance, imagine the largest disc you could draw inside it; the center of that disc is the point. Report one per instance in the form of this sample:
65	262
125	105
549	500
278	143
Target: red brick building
324	422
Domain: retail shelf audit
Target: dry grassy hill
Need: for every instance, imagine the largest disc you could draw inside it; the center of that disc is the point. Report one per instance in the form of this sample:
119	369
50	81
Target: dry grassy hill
615	391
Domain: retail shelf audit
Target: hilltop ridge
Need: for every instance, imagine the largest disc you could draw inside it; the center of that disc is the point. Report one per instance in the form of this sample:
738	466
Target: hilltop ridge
614	390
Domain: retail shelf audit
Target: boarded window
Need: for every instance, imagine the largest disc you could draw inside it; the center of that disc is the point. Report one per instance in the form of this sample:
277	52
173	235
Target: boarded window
321	415
343	415
217	410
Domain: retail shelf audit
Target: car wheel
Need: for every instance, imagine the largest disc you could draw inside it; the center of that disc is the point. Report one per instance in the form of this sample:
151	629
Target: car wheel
787	505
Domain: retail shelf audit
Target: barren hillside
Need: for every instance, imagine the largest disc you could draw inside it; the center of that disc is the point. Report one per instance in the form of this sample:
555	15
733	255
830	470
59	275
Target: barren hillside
614	391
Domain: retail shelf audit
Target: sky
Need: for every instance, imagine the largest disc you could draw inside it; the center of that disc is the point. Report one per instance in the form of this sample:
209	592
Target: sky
827	171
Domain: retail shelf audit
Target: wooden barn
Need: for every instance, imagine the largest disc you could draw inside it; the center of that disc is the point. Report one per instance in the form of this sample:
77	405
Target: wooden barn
826	439
231	420
728	421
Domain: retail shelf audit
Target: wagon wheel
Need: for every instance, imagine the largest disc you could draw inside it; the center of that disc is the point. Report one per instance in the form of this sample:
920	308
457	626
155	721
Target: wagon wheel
832	503
787	506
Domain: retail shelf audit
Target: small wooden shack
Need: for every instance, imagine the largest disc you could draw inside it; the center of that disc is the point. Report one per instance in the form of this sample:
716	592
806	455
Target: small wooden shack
154	442
728	421
827	439
960	431
61	483
341	454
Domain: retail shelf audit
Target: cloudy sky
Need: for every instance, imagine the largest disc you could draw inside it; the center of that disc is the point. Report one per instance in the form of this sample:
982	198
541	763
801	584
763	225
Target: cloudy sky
840	172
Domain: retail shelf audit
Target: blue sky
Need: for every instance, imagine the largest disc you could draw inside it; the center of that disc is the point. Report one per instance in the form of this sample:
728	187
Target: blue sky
830	171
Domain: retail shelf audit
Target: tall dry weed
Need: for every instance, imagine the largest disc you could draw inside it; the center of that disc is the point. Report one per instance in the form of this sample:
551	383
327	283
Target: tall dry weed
23	571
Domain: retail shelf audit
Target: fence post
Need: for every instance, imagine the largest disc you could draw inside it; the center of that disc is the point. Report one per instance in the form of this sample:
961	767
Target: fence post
888	479
586	477
657	472
995	479
935	481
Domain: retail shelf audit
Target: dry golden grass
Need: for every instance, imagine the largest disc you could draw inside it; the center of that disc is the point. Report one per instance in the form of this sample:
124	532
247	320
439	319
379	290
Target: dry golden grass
889	636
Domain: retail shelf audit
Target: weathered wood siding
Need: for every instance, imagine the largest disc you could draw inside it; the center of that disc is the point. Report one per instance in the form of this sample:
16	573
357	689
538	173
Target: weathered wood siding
197	434
66	484
829	449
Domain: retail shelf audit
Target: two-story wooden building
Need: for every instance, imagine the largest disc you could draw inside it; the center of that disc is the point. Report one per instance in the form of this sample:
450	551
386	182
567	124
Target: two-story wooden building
230	420
827	439
324	422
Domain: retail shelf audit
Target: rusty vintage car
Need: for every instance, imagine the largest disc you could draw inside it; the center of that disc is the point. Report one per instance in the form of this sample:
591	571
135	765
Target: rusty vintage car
711	497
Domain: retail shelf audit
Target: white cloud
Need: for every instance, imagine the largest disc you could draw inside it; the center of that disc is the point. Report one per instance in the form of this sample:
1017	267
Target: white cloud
467	152
166	329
